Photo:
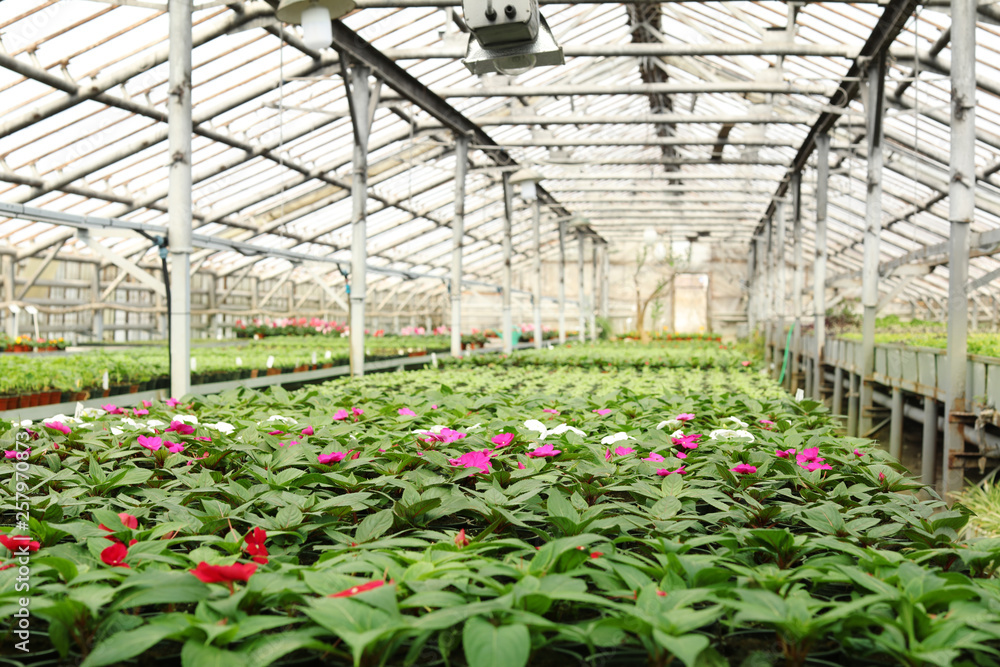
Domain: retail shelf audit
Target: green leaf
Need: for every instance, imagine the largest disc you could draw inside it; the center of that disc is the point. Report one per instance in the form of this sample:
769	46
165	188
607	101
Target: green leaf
122	646
373	526
488	645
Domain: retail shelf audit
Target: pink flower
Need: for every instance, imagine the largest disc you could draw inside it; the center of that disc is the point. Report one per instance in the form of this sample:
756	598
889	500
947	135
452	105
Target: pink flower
663	472
744	469
434	407
139	412
175	447
59	426
172	402
603	411
809	454
859	454
354	590
551	411
150	443
147	404
406	412
684	417
357	412
767	424
502	440
446	435
477	459
881	477
654	457
112	409
687	441
784	453
520	466
276	433
816	465
340	415
745	363
308	430
544	450
681	455
619	451
461	541
180	428
203	456
12	453
203	438
335	457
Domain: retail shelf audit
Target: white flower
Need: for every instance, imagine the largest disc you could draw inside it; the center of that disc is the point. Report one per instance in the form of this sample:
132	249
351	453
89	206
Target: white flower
535	425
473	428
726	434
738	422
677	434
562	428
25	423
669	423
116	431
65	419
617	437
128	421
90	412
276	418
222	427
543	432
187	419
153	423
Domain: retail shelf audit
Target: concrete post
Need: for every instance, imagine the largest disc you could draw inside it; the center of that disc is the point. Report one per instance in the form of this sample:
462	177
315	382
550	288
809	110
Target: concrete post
457	243
508	201
361	120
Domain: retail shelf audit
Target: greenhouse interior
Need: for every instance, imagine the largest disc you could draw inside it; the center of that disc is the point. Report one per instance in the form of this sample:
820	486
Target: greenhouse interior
475	334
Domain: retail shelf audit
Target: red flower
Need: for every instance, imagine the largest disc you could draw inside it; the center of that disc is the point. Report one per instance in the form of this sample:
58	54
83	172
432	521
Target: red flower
114	555
461	540
354	590
128	521
224	574
255	545
15	542
596	554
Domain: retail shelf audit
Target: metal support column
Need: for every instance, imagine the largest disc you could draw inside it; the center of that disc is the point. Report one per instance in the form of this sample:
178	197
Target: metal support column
798	278
359	96
593	293
929	448
458	234
853	401
819	270
838	391
581	299
562	281
536	222
508	207
9	270
605	282
179	194
896	424
97	315
873	229
962	210
781	288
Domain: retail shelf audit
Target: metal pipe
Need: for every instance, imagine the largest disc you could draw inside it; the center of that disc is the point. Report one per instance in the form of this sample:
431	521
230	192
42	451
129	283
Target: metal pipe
360	118
654	50
458	234
581	299
896	424
562	281
639	119
961	213
873	229
179	194
821	250
536	223
97	315
852	404
593	293
838	391
781	292
646	141
798	278
508	208
605	282
929	444
554	90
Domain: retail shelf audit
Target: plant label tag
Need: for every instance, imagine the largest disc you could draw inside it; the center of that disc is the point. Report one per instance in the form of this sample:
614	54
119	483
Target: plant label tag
194	363
105	384
799	395
270	361
218	334
328	355
239	361
434	359
314	358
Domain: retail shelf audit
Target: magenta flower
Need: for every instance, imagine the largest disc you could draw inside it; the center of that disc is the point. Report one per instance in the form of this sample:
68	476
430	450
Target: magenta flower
147	404
663	472
308	430
619	451
809	454
12	453
544	450
446	435
276	433
681	455
59	426
816	465
139	412
203	438
784	453
357	412
520	466
406	412
112	409
654	457
150	443
477	459
172	402
744	469
434	407
340	415
335	457
174	447
180	428
551	411
859	454
767	424
881	477
687	441
502	440
603	411
745	363
684	417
